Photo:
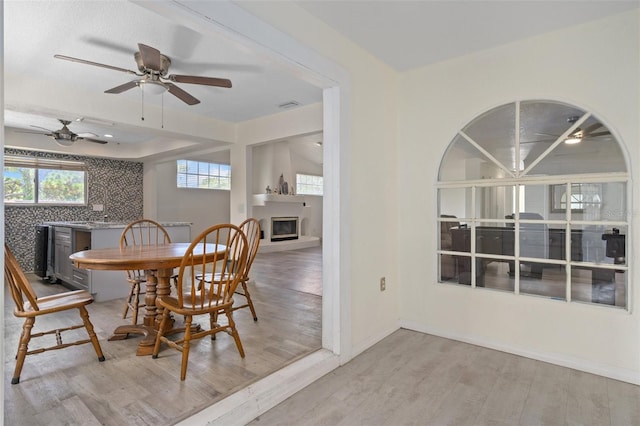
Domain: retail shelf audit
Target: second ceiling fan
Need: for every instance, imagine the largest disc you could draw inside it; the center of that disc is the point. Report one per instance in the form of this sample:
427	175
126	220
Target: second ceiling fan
153	68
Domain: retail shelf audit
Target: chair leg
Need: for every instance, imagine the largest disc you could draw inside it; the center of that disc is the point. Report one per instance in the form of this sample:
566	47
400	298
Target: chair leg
128	302
249	301
22	349
136	302
234	331
156	348
92	334
213	317
185	347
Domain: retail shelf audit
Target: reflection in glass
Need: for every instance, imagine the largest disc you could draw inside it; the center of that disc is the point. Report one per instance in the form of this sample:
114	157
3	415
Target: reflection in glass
463	161
494	131
599	285
550	282
599	244
453	201
594	150
494	202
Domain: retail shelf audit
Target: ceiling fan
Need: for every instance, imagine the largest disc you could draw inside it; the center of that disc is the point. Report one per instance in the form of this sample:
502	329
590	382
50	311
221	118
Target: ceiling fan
153	67
591	131
66	137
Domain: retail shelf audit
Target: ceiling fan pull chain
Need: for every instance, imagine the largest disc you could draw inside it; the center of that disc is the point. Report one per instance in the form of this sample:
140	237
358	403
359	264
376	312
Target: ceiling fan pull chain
142	106
162	117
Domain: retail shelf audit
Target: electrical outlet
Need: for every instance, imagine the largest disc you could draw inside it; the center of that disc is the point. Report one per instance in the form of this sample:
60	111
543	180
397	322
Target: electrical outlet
383	284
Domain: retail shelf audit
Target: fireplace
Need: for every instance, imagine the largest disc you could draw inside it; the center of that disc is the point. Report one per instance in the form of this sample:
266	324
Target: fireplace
284	228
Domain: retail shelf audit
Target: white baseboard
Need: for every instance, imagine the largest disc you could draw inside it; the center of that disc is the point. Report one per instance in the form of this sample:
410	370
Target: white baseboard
357	350
259	397
621	374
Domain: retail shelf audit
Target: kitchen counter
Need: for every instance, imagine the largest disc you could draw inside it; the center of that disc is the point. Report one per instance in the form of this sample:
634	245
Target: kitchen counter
96	224
72	236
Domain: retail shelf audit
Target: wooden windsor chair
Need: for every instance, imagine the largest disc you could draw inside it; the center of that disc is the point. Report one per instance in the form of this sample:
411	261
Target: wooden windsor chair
220	249
30	307
143	232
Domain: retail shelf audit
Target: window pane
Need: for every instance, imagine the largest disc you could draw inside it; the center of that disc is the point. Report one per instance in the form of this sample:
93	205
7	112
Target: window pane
495	132
453	201
494	202
463	161
192	167
61	186
543	279
309	184
599	285
203	168
494	274
19	185
597	152
203	175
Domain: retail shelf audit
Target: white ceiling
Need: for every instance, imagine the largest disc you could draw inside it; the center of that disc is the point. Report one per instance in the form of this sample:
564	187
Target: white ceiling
108	32
410	34
404	34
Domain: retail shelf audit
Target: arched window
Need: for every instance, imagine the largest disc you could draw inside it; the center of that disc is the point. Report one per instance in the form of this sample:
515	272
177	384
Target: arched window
533	199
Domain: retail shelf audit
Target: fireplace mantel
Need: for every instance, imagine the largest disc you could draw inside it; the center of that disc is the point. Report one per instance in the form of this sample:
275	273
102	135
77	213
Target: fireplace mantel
263	199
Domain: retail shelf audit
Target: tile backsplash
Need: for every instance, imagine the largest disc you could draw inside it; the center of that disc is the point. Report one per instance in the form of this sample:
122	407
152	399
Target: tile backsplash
116	184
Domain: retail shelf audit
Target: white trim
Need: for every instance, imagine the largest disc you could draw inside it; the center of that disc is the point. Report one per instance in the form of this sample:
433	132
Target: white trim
259	397
233	21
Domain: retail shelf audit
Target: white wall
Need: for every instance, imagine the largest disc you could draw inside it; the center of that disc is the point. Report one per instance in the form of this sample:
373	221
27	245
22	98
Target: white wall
368	174
275	158
594	66
202	207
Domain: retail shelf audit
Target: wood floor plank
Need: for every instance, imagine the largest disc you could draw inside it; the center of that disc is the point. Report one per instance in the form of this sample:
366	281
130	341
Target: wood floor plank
411	378
624	403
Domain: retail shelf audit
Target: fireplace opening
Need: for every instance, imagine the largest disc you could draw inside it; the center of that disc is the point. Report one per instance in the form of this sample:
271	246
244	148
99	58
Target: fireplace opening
284	228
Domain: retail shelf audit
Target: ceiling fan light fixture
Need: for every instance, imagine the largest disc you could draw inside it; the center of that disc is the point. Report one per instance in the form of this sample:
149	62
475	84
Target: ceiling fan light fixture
572	140
63	141
152	87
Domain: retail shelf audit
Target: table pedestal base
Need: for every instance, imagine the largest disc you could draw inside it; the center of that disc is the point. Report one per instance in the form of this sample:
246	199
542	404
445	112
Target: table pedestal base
145	347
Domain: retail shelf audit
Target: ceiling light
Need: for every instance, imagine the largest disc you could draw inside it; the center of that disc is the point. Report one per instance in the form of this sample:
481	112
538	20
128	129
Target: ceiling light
153	87
572	140
64	141
108	136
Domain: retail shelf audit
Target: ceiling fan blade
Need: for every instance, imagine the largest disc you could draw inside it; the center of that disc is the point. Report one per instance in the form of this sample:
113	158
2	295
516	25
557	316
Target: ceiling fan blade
95	64
91	140
593	127
181	94
87	135
33	133
207	81
122	87
38	127
596	134
150	57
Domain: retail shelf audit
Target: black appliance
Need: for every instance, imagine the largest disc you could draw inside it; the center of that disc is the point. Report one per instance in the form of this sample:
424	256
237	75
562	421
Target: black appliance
42	251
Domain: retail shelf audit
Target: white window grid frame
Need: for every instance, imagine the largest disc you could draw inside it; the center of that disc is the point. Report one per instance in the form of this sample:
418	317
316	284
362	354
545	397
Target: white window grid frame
519	178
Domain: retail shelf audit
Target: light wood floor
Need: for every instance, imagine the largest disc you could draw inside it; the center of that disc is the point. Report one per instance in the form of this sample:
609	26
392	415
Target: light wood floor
70	387
411	378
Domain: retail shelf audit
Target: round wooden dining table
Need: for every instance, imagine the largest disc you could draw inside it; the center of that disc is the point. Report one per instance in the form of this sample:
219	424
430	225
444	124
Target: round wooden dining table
158	262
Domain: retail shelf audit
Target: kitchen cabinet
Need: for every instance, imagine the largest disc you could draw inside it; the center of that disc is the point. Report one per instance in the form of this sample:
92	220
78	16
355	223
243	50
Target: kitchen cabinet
71	237
62	251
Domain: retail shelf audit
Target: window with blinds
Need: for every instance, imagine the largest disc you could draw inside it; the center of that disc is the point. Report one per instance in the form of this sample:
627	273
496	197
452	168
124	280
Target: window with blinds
29	180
